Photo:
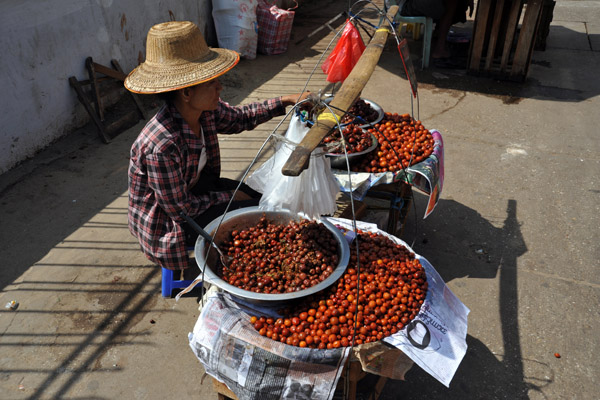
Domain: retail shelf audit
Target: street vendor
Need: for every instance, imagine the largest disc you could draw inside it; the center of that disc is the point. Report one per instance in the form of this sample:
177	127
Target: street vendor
174	163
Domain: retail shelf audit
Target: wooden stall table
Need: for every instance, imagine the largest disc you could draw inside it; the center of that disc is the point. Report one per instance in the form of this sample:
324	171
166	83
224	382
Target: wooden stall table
345	209
397	192
356	373
223	392
503	42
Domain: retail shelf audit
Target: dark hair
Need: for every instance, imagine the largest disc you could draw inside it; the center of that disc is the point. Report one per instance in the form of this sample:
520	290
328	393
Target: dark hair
167	97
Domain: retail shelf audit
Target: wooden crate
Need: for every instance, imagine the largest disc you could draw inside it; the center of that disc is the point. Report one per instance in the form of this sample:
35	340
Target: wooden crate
502	43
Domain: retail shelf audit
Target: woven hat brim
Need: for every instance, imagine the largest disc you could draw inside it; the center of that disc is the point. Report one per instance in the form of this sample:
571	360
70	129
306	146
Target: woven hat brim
148	78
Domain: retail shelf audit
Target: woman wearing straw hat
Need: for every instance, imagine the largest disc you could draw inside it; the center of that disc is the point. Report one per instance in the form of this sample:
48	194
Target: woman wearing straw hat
175	163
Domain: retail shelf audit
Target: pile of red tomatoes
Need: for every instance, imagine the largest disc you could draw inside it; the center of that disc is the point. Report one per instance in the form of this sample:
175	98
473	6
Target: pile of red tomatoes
402	141
276	258
356	139
375	298
360	109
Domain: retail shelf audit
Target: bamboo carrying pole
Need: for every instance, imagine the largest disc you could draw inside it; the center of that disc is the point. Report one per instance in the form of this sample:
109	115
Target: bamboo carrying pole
348	93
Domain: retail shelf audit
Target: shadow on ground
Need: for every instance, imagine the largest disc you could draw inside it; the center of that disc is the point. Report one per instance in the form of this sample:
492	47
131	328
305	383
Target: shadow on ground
464	244
45	199
557	73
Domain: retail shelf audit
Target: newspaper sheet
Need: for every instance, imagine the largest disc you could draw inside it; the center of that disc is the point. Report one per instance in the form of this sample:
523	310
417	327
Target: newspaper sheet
256	367
380	358
427	176
436	339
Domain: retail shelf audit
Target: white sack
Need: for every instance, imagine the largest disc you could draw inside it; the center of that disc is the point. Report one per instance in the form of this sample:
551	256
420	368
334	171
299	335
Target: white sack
236	26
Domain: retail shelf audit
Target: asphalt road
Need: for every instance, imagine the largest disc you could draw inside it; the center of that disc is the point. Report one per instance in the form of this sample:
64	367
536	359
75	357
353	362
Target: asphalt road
515	234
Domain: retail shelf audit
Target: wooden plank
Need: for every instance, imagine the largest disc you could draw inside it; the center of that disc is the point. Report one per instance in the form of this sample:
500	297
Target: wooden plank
400	190
494	34
544	27
140	108
356	373
86	82
223	392
348	93
402	214
511	28
378	388
89	63
360	209
479	34
526	38
88	107
115	74
126	120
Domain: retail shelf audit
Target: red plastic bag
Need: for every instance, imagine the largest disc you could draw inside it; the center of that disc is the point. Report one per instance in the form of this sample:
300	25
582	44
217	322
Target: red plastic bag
345	55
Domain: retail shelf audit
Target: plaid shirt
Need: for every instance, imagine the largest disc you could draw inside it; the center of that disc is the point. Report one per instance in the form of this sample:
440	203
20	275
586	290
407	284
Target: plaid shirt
274	28
164	161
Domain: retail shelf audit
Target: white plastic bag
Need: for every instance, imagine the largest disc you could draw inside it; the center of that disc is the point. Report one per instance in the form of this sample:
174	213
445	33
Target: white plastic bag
313	192
236	26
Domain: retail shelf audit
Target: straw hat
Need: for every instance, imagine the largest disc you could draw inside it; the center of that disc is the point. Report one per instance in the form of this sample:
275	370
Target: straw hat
176	57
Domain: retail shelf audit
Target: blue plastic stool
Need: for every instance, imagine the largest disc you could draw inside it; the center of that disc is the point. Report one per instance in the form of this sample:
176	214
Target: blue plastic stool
169	283
417	21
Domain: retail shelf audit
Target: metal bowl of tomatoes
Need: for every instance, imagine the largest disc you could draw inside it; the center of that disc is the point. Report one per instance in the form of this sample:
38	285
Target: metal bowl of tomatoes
363	112
241	220
358	141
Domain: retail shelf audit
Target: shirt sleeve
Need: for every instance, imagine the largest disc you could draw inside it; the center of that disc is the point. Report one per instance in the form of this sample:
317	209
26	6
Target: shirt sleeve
165	177
247	117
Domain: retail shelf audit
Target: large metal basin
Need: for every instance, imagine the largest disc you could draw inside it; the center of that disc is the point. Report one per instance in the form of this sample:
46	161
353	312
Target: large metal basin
247	217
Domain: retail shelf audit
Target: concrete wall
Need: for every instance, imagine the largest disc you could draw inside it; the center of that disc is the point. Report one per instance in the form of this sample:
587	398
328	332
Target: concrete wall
45	42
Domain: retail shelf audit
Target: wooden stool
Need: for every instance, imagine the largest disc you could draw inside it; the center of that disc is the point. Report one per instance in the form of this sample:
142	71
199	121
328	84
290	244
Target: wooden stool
94	105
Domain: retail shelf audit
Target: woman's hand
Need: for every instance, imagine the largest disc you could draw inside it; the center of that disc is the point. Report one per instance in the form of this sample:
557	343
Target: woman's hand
293	99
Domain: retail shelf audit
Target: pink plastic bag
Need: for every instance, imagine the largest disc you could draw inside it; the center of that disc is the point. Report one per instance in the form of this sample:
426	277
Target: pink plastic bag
345	55
274	28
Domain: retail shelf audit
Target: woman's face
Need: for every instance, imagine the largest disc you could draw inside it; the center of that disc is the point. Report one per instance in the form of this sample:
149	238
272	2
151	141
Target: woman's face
205	96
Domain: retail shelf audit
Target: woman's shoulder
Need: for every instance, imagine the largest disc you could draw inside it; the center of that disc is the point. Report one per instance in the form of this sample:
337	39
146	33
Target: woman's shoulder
161	133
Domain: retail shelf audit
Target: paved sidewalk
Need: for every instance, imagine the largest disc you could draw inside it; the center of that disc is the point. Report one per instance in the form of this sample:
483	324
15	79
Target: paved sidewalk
515	234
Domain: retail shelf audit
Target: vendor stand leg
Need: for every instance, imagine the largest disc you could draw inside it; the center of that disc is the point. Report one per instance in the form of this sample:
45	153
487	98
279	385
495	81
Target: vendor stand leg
400	197
345	209
354	372
223	392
